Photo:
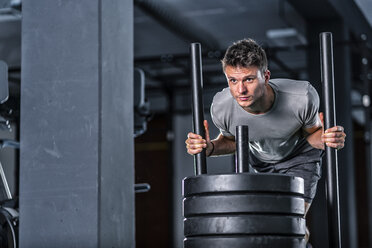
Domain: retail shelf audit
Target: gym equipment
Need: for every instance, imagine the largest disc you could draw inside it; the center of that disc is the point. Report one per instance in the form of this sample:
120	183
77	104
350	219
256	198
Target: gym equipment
8	213
4	88
140	104
200	165
243	242
4	124
242	209
142	187
327	79
8	227
243	154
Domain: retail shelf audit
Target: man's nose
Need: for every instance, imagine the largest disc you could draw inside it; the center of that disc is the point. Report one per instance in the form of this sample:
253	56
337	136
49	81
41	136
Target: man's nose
241	87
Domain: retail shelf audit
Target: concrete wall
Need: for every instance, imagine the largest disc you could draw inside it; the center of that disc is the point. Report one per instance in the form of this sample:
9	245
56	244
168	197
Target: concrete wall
77	175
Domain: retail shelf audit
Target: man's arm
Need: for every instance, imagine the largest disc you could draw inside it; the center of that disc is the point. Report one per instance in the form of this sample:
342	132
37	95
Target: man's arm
222	145
314	137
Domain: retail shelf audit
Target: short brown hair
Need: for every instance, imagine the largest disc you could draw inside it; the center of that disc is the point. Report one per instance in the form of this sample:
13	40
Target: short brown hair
245	53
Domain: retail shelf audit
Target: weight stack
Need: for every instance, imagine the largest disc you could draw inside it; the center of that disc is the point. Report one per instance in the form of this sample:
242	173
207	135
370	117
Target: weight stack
243	210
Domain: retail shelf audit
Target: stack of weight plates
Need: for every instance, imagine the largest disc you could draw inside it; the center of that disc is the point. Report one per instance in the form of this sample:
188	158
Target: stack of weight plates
243	210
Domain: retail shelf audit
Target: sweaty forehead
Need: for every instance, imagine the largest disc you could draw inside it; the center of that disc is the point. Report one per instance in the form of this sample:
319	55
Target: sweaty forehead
231	71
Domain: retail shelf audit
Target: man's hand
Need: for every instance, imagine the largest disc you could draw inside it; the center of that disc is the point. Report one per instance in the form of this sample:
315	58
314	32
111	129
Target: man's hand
195	143
333	137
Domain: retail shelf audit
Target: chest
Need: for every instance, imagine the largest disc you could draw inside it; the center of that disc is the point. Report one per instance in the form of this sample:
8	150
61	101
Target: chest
278	124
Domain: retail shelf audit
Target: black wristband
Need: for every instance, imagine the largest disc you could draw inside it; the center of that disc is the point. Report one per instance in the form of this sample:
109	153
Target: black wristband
212	150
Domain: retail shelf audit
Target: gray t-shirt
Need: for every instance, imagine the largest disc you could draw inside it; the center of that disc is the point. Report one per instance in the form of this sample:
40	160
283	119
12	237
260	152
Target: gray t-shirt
276	134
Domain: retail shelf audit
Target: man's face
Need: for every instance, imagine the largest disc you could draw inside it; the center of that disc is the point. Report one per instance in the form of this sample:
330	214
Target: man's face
247	85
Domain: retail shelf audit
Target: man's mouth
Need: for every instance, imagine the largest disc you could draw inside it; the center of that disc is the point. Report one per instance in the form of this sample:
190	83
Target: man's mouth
244	98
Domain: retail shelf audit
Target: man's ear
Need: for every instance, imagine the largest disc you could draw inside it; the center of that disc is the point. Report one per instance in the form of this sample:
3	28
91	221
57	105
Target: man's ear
267	75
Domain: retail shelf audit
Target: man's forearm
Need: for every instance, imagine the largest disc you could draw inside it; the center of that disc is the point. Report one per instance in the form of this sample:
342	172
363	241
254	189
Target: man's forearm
315	139
222	146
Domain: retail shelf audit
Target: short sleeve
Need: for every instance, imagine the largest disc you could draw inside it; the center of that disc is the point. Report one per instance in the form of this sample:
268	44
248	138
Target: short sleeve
218	121
310	114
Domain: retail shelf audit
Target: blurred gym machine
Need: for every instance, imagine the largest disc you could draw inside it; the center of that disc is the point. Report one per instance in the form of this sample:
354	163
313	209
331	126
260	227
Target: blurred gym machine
141	105
8	207
141	114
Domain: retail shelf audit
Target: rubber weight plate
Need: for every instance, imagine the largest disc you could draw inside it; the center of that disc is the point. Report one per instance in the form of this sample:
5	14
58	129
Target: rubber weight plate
244	242
243	203
244	224
242	182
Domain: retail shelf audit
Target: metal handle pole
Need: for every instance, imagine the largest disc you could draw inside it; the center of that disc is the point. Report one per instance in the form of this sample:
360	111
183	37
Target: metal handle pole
200	164
327	77
242	149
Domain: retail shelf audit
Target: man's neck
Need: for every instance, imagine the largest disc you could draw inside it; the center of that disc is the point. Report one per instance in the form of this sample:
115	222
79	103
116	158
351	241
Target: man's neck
265	103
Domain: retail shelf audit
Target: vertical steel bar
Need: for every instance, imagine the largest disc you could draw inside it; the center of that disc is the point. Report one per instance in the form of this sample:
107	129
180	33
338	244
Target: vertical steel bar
242	149
332	190
200	164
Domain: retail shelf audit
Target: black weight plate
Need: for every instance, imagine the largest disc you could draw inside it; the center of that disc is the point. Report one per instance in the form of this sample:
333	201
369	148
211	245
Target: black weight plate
244	224
243	203
245	242
246	182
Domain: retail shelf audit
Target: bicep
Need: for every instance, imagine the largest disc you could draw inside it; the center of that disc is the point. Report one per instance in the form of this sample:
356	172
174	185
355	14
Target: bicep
310	115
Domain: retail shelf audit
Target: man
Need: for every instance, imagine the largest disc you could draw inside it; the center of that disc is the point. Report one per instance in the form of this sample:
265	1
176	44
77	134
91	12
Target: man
285	128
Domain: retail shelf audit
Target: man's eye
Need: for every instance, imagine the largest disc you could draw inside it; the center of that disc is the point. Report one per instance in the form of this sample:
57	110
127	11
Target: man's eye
249	79
233	80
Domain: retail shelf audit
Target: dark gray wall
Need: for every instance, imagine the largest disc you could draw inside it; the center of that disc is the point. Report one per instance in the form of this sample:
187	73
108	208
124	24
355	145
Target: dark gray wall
116	205
76	175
